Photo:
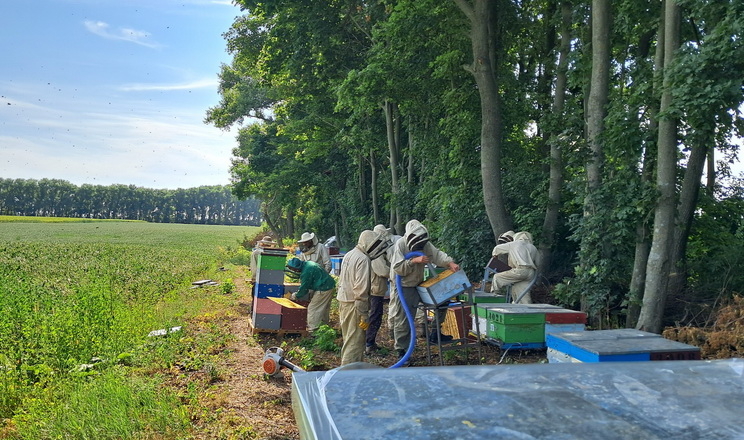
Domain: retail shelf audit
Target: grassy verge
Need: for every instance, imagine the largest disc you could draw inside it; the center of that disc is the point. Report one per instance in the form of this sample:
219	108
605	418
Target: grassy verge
77	303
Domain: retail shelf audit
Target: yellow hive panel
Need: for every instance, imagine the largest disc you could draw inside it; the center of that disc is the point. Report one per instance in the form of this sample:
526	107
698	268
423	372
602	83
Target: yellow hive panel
431	281
286	302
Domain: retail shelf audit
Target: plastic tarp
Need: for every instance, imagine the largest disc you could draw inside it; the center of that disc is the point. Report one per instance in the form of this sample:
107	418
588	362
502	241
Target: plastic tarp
611	400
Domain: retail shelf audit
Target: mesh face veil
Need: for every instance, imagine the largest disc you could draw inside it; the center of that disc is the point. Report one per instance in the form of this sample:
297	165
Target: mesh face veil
293	269
417	242
378	247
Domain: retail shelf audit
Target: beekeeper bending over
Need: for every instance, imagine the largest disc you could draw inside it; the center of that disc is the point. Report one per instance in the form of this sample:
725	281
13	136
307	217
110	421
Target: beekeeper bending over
411	271
522	260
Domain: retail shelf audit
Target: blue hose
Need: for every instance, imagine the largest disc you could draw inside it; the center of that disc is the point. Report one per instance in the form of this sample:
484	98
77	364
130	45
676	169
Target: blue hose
409	316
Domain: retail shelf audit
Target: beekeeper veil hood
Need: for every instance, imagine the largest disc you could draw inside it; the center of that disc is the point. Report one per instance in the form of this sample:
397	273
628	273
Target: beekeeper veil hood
382	230
373	243
523	235
293	269
416	235
506	237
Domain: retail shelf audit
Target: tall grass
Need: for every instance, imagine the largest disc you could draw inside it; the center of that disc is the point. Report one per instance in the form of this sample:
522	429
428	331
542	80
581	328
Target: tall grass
77	301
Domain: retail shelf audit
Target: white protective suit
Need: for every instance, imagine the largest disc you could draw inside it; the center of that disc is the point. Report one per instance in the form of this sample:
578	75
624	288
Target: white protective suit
317	253
412	274
522	259
353	293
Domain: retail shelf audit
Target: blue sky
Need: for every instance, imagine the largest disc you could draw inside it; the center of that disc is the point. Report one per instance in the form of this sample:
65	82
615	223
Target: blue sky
104	92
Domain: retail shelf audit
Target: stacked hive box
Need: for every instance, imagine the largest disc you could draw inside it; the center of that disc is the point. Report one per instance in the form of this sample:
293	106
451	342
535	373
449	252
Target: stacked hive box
624	345
525	325
480	300
336	264
269	284
515	326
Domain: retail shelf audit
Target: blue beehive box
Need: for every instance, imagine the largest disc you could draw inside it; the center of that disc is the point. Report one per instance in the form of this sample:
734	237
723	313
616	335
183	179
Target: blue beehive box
625	345
269	290
336	264
438	290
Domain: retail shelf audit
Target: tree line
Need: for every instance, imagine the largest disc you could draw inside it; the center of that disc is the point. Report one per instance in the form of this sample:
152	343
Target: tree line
605	128
211	205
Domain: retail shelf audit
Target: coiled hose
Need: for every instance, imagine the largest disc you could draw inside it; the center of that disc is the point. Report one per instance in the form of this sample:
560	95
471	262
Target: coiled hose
411	324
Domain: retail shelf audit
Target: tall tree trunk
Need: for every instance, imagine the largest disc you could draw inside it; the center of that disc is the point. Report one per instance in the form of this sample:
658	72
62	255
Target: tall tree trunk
657	271
373	185
598	95
643	232
550	222
362	180
688	197
710	184
596	110
483	39
393	136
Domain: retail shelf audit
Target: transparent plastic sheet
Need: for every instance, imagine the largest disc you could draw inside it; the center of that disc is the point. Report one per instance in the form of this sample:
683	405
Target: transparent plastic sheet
612	400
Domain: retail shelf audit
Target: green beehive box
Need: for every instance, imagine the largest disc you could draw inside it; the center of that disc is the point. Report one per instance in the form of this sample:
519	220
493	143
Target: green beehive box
516	333
271	262
483	298
514	314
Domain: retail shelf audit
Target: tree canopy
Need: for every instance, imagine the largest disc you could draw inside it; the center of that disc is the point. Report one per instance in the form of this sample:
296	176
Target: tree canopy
588	123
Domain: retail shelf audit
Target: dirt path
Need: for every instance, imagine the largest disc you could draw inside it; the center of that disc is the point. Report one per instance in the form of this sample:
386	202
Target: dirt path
254	407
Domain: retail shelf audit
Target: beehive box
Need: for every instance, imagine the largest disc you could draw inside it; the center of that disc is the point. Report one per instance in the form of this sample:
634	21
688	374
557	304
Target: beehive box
439	289
516	333
565	316
480	297
458	321
513	314
563	328
269	290
624	345
479	324
270	276
271	261
263	321
294	316
336	261
266	306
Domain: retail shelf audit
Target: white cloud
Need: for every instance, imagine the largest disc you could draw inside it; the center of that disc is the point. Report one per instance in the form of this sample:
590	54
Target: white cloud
101	29
199	84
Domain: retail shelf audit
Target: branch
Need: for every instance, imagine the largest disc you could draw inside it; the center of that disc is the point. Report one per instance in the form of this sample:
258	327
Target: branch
466	9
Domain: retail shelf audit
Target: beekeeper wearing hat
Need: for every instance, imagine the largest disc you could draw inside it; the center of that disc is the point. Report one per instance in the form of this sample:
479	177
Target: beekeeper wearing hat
354	288
411	271
522	257
265	242
311	251
319	309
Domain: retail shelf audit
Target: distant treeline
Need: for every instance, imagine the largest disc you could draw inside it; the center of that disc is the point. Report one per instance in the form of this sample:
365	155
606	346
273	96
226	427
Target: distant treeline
213	205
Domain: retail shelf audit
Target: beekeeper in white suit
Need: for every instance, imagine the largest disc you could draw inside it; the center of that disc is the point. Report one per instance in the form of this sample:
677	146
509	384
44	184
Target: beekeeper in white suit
354	288
522	258
411	271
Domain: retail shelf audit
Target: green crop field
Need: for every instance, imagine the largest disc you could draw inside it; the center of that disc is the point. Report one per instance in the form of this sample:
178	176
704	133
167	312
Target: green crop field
77	301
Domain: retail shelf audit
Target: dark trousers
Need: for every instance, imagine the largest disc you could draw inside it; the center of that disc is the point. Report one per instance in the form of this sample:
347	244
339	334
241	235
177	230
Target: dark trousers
375	318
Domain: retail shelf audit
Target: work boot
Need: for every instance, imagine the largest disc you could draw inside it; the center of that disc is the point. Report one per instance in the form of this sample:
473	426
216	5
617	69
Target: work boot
442	337
371	349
